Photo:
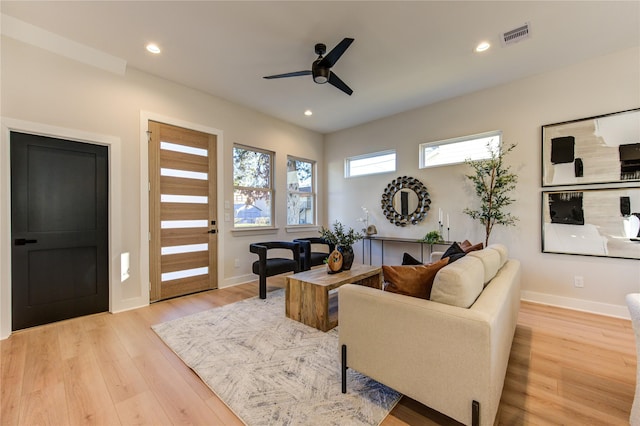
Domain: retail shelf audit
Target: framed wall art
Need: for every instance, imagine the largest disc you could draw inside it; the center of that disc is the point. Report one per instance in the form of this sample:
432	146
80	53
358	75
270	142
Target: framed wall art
592	222
602	149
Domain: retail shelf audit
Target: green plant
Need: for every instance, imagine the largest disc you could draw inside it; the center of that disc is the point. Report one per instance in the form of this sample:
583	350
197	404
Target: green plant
493	182
339	236
433	237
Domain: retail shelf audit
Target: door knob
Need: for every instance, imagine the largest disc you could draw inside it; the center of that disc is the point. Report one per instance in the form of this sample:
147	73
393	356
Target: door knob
212	231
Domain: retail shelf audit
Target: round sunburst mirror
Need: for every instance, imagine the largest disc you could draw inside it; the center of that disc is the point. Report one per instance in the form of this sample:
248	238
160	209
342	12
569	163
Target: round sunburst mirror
405	201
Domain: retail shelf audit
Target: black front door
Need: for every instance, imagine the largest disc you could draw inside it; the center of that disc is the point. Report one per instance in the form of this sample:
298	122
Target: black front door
59	229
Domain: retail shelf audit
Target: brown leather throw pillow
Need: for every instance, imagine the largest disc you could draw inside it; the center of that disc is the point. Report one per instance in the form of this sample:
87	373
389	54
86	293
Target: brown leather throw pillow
412	280
468	247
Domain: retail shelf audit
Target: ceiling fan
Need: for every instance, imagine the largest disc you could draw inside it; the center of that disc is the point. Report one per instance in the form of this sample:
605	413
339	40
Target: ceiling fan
321	67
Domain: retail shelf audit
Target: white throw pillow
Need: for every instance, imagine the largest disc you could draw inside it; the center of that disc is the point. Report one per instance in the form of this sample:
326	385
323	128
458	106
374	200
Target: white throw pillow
490	259
460	283
504	252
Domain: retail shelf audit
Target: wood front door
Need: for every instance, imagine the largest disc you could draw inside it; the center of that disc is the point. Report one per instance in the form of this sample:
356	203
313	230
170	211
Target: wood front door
59	229
182	211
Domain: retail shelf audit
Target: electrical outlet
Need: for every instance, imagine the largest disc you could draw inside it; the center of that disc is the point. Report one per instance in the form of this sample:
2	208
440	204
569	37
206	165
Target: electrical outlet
227	204
227	217
578	281
237	263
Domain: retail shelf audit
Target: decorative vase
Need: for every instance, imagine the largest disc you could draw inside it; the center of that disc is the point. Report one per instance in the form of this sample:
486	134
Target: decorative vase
347	256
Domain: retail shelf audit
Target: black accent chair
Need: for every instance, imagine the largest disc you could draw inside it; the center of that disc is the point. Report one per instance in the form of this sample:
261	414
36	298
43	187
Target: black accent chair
313	258
267	267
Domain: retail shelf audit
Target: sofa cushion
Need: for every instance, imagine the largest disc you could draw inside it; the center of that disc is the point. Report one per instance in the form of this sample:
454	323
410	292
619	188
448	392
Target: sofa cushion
490	260
412	280
460	283
407	259
454	252
502	249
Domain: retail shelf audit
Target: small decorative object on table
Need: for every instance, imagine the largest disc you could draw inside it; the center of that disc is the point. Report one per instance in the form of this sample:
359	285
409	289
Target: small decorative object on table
368	229
371	230
334	262
343	240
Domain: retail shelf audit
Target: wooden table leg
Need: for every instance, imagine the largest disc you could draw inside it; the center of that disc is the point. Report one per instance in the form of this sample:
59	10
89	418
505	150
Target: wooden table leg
292	299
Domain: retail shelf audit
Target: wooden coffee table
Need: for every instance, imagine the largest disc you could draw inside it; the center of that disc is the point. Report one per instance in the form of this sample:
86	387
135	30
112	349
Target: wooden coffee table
308	297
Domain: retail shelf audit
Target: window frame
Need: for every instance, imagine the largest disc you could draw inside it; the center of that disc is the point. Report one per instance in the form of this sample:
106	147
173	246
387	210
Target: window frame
270	190
312	194
348	160
468	138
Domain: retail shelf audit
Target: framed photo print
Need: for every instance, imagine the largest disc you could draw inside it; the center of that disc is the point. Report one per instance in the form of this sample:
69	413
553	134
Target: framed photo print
592	222
602	149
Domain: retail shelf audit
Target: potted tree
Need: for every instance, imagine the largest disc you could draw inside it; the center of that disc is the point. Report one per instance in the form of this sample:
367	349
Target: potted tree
343	240
493	182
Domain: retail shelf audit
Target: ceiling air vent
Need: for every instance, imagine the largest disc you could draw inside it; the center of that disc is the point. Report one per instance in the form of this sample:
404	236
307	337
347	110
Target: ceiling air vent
516	35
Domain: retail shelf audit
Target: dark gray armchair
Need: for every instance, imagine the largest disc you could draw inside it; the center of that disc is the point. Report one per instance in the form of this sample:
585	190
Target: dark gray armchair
313	258
267	267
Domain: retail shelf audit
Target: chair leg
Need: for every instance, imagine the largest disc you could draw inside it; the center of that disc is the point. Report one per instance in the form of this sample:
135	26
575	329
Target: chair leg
344	368
475	413
263	287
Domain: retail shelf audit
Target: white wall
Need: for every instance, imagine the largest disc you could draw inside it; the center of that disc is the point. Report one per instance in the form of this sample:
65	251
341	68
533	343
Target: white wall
599	86
41	87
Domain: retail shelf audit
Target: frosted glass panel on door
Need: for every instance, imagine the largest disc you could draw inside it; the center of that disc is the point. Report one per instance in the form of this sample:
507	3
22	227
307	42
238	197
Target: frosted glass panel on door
172	224
183	148
168	276
183	174
188	248
191	199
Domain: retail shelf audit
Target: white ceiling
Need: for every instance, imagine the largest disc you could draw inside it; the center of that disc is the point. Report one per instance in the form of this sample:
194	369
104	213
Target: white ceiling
405	54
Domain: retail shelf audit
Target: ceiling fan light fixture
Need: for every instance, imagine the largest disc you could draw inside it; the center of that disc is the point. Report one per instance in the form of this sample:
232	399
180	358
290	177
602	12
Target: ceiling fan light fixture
321	75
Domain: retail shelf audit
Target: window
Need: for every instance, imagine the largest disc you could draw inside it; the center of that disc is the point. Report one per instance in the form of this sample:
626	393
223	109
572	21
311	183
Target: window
457	150
301	193
369	164
252	187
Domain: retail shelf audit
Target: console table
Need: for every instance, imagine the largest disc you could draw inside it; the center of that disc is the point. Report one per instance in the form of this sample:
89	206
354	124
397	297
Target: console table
398	240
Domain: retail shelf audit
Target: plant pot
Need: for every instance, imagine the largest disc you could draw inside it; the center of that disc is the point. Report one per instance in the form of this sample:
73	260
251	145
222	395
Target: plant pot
347	256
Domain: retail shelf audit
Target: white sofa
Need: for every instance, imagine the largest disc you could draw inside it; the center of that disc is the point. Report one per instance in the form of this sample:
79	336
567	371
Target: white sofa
450	358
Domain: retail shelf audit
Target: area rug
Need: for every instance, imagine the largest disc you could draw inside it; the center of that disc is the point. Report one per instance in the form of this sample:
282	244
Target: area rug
271	370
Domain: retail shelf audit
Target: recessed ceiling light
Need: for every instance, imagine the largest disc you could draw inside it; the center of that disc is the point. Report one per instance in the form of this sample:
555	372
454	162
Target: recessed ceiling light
482	46
153	48
308	112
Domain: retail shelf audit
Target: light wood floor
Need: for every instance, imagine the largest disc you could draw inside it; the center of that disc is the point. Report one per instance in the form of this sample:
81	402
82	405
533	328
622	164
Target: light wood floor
566	368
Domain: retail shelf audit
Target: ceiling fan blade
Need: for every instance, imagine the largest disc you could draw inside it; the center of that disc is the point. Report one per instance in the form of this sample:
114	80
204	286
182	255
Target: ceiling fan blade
289	74
332	57
335	81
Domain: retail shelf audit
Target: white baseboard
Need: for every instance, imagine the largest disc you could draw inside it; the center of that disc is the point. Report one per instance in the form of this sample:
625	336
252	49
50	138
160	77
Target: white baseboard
130	304
618	311
240	279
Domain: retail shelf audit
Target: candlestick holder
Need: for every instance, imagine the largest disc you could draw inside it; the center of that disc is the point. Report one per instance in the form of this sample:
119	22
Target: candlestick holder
448	237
